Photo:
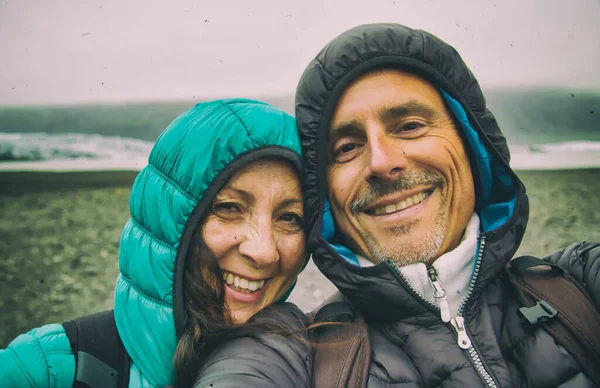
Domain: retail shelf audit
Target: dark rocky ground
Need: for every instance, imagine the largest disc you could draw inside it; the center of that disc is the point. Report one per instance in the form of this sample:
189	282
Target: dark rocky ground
59	242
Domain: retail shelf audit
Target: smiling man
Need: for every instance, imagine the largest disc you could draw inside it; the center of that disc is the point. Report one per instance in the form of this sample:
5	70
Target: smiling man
413	212
409	205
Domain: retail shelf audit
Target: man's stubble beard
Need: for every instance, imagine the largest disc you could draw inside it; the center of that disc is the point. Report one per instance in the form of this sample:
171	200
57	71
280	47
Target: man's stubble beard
423	251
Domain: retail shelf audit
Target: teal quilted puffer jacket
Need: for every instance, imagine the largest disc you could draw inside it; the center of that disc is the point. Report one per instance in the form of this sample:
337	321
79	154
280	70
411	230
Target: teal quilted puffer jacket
191	160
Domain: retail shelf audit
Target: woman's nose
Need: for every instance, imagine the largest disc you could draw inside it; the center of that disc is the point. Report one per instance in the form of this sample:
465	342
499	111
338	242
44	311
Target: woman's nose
259	245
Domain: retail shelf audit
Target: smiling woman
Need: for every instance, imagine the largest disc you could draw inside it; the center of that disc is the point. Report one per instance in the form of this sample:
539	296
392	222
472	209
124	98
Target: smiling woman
215	236
255	231
248	252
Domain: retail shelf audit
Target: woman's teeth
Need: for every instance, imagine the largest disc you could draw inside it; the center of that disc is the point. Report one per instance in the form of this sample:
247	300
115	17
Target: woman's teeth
414	200
242	285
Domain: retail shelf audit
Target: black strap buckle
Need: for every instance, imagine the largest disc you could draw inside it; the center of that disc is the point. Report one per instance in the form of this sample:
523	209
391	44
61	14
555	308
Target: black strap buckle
541	312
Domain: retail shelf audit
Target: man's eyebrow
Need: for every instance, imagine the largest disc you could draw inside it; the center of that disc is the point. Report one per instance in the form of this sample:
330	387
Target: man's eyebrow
409	108
348	128
356	127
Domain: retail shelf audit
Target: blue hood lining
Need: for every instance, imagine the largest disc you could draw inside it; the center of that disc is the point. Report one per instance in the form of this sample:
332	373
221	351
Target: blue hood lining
497	192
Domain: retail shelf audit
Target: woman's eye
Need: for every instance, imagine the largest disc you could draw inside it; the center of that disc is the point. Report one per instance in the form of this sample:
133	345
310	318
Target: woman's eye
291	218
226	207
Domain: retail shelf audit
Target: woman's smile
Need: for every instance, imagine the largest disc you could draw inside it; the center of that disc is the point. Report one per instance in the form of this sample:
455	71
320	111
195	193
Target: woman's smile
242	284
242	289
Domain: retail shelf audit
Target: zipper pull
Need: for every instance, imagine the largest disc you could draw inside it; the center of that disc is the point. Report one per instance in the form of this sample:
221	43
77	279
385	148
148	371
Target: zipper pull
464	342
439	294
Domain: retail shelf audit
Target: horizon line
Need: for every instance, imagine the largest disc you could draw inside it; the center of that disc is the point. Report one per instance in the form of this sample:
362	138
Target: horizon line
264	96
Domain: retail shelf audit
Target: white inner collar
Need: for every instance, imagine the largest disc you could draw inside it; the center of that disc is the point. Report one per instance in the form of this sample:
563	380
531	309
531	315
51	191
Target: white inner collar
454	269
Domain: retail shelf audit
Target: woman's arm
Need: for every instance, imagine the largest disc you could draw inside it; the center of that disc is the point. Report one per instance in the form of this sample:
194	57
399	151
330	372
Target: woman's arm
263	360
39	358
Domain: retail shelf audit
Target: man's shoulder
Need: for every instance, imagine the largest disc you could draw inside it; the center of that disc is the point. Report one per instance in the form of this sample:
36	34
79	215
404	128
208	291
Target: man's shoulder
286	314
574	252
336	297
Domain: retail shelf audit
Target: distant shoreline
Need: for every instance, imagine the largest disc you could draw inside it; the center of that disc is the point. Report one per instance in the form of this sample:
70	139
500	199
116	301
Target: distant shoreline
573	160
522	159
18	182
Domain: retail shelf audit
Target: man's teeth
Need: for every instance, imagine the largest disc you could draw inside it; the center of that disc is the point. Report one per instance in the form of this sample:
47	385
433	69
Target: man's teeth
241	284
387	209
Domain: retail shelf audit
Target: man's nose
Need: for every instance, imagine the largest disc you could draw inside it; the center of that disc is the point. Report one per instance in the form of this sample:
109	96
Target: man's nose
259	245
387	159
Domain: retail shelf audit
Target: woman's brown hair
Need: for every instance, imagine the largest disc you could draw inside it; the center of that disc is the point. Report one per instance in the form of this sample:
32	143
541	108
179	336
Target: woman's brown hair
207	320
206	315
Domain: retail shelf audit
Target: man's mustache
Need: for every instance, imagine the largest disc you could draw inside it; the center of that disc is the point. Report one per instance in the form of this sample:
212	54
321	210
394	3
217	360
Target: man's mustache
407	181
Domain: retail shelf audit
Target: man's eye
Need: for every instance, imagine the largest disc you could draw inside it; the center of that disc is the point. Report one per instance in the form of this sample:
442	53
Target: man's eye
346	148
344	151
410	126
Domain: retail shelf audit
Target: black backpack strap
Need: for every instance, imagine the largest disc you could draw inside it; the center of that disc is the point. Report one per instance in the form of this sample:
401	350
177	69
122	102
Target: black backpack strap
333	298
342	350
100	357
554	299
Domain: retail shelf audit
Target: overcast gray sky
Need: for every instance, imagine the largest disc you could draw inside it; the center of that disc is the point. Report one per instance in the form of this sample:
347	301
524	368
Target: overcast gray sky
73	51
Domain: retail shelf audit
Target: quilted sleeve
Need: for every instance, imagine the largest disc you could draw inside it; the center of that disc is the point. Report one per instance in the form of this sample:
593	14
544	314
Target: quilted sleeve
583	263
40	358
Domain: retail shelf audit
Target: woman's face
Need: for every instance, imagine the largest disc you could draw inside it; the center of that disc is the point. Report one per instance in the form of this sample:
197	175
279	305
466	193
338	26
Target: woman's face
255	231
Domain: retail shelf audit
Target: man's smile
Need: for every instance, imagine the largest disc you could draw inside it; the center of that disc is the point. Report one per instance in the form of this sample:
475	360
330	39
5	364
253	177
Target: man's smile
392	206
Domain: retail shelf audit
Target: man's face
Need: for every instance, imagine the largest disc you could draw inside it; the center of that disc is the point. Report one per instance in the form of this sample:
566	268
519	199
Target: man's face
400	183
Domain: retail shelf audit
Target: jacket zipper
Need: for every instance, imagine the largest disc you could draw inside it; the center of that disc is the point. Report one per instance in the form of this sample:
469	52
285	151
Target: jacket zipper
439	294
461	328
457	322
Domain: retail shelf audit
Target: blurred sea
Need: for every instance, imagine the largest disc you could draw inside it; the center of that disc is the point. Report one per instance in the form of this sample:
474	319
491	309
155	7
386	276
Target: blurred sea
71	152
83	152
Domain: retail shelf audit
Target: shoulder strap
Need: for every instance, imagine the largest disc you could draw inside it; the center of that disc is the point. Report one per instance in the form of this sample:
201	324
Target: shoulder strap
342	352
100	357
553	298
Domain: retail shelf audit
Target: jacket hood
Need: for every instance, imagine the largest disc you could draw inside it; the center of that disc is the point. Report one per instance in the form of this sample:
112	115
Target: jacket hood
501	202
190	162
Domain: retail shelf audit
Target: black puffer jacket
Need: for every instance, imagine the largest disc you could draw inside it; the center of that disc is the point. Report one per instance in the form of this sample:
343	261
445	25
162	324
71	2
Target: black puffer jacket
411	346
263	360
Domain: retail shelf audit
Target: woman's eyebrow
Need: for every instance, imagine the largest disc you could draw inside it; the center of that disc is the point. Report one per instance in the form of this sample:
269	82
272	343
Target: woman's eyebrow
247	196
291	201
